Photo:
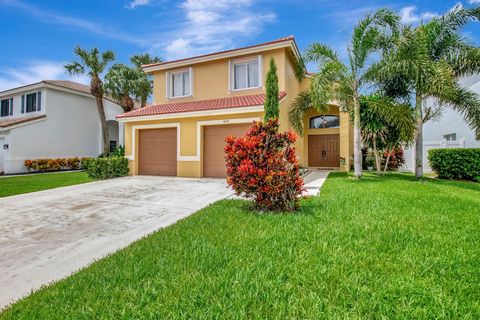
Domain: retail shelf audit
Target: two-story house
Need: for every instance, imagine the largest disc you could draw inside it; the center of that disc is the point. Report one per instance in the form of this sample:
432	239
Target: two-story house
198	101
52	119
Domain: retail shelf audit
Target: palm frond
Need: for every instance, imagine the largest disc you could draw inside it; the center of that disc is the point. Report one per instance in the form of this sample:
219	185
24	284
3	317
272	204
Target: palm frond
300	105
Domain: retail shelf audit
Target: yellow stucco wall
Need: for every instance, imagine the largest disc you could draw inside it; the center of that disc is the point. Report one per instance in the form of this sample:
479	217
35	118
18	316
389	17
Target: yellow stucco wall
188	139
210	80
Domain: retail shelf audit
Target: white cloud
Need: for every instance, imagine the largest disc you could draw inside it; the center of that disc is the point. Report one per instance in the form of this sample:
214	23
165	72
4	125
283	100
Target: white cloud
137	3
474	1
35	71
211	25
408	15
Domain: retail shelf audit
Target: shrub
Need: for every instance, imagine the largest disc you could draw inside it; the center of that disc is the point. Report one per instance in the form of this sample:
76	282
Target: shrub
85	161
397	158
262	166
118	152
106	168
455	164
46	164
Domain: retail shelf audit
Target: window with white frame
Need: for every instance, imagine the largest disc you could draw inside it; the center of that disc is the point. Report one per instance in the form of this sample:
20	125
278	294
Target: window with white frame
245	74
179	84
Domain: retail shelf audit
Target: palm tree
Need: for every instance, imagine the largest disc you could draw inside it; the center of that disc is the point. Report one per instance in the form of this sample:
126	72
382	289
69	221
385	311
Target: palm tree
93	63
427	61
344	82
122	82
145	85
386	125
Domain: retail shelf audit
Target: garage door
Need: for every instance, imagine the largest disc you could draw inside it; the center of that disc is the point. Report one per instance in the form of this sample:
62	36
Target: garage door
213	145
157	152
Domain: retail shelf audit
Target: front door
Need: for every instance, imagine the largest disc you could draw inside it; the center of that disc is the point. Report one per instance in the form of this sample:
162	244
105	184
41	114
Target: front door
324	150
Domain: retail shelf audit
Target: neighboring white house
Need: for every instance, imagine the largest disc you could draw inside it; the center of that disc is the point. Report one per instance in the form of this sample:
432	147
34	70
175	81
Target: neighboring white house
448	131
52	119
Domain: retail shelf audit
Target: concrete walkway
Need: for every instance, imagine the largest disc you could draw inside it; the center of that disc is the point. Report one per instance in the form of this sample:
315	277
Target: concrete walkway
314	181
47	235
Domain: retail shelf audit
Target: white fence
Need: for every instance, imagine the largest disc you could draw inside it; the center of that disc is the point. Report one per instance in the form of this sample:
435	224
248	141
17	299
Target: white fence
427	145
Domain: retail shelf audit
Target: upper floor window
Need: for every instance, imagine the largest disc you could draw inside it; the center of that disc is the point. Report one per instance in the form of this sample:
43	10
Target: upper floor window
5	107
31	105
322	122
246	74
180	84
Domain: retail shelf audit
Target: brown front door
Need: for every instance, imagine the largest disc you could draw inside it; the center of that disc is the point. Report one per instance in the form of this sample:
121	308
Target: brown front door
157	152
324	150
213	147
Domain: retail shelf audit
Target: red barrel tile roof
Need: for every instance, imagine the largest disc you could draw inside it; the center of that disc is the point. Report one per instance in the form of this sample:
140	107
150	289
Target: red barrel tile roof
200	105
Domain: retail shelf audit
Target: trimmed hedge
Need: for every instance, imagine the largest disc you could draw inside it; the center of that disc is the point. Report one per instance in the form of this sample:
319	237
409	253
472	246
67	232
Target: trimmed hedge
457	164
106	168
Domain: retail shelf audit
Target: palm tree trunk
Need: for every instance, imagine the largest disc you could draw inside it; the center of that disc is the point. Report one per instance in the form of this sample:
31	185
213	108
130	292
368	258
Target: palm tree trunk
357	150
378	164
103	122
419	137
387	160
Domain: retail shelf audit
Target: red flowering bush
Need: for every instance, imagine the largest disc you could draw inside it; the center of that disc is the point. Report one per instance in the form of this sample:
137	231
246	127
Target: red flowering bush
262	166
42	165
397	158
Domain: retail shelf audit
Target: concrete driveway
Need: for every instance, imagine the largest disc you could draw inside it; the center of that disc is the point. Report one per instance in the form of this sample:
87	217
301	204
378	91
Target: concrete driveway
47	235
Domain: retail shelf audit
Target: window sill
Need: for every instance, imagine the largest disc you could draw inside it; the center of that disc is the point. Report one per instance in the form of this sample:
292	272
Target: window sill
245	89
180	97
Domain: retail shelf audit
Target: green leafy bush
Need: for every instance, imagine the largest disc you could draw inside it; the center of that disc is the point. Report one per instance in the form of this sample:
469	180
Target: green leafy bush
458	164
106	168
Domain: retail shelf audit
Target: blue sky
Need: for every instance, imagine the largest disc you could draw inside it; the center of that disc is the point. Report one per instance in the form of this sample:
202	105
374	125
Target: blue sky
37	37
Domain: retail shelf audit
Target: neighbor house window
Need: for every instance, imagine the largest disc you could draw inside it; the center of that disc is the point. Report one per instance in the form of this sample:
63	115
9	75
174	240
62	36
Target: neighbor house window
179	84
31	102
5	108
450	137
245	74
322	122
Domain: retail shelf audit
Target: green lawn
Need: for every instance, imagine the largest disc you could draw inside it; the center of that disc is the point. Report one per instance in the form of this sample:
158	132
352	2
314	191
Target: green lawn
10	186
377	248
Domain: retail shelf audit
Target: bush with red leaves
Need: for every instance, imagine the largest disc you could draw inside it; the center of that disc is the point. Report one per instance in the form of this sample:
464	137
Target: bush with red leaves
262	166
397	158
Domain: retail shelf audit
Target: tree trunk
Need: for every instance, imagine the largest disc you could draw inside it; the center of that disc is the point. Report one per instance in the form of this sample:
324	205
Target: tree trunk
357	150
103	122
96	89
378	164
419	137
390	151
143	102
127	103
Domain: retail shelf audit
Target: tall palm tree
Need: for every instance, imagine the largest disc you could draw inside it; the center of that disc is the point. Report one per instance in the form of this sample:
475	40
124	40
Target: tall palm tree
344	82
145	85
427	61
93	63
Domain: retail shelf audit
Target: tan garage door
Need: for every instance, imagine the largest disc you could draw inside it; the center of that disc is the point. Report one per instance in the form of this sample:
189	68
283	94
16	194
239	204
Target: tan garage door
213	145
157	152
